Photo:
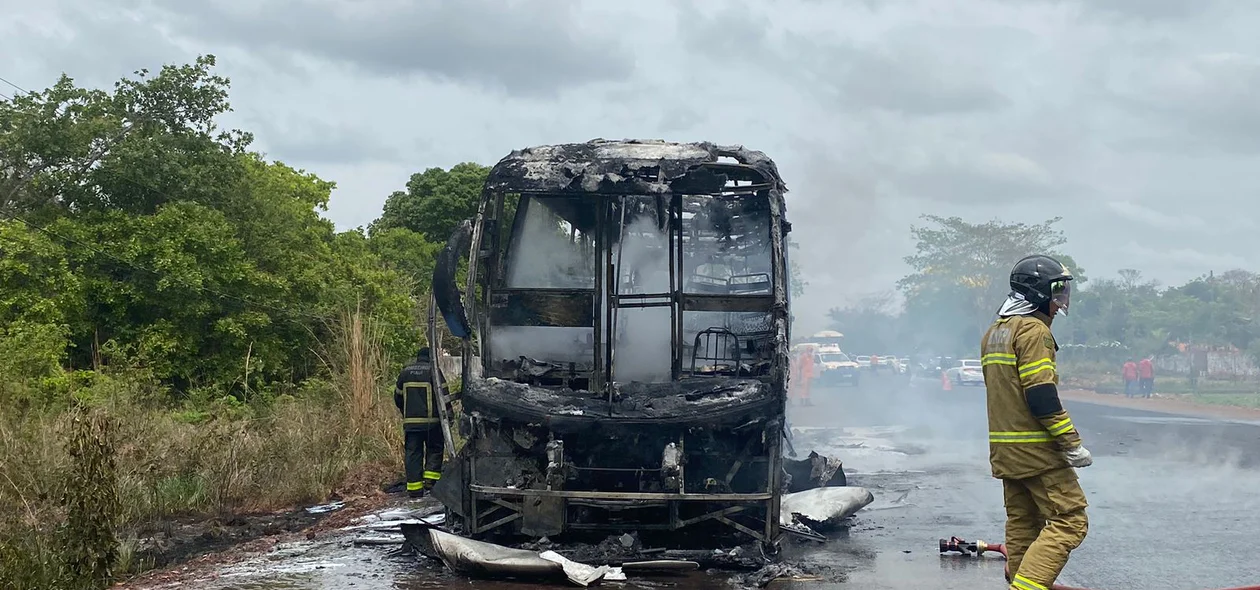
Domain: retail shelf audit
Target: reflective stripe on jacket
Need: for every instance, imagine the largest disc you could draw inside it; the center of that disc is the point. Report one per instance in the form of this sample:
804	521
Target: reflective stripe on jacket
1016	354
413	394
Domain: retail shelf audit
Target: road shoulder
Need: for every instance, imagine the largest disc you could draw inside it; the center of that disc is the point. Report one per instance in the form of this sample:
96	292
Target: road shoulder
1162	404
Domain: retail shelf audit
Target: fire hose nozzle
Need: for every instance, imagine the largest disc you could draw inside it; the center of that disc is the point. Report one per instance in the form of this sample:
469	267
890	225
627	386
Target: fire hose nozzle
957	545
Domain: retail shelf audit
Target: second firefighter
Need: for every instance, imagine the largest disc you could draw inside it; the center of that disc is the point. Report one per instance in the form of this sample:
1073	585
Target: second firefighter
423	441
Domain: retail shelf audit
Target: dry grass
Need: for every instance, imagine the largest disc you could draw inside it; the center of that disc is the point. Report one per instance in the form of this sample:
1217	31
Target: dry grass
287	452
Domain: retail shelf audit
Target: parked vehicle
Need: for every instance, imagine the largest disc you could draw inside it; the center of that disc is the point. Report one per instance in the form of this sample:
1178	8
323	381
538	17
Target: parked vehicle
839	368
966	372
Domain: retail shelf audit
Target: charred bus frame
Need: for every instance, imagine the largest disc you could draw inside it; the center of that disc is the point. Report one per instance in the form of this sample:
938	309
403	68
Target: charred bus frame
557	435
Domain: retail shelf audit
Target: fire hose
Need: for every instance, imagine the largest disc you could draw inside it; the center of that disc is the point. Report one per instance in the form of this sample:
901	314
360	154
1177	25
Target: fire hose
977	548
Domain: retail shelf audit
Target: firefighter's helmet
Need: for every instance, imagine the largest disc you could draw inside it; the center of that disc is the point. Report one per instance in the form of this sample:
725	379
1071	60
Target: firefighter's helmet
1042	279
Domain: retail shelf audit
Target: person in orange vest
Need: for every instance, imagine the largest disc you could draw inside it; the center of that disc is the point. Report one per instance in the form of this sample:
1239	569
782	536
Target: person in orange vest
1146	376
801	375
874	363
1130	374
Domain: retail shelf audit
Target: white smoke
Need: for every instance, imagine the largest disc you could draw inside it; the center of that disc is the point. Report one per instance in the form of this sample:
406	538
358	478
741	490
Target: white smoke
642	348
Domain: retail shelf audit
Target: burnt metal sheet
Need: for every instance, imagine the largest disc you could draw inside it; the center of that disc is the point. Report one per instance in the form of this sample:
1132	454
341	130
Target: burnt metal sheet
822	508
714	402
542	516
445	289
736	303
619	496
632	166
564	309
814	472
487	560
449	490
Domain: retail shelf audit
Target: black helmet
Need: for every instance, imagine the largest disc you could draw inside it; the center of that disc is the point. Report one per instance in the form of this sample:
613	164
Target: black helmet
1042	279
423	355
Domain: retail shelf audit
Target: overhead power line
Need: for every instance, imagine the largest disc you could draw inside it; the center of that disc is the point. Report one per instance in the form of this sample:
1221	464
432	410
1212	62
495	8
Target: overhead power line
20	89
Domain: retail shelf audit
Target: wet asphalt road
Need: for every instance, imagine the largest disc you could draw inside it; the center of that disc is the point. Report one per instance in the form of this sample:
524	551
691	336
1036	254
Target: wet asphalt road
1175	503
1174	500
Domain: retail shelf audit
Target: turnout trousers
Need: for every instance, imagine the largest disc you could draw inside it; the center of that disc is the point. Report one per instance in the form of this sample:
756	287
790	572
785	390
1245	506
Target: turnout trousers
423	457
1045	521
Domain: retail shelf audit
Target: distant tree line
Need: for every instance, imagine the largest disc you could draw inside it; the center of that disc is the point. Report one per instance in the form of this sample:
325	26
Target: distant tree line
959	278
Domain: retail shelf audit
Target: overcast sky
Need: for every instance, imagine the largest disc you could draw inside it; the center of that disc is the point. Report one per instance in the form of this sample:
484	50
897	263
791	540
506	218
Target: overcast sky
1138	121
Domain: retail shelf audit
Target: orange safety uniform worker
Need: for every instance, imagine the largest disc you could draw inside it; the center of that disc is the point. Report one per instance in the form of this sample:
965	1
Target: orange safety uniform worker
803	372
1130	373
1146	377
1033	445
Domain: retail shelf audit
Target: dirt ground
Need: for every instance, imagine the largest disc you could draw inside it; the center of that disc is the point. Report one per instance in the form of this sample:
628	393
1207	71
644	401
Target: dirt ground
1165	404
186	549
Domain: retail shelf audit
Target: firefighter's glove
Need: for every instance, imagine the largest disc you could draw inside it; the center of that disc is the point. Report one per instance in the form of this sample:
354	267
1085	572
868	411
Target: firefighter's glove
1079	457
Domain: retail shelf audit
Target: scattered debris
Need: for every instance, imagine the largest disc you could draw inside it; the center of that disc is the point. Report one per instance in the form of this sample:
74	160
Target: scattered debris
380	540
799	530
814	471
822	508
580	573
487	560
322	508
660	566
762	577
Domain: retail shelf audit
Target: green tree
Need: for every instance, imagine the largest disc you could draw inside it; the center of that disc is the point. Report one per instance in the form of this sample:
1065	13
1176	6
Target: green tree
435	201
408	253
194	257
151	140
961	274
39	297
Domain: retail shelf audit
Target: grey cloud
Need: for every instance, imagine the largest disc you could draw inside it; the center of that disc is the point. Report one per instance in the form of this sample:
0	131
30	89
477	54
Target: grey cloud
1190	260
1150	10
1198	103
907	77
976	177
511	46
319	141
901	80
92	43
1155	218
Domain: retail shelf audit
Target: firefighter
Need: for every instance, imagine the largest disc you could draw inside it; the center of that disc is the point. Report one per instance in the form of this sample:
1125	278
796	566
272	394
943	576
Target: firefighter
422	430
1033	445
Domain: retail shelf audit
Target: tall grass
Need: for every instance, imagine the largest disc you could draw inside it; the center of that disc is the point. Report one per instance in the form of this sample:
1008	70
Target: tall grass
75	482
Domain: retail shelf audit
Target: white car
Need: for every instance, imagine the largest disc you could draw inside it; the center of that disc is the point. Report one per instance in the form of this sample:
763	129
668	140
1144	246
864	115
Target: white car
863	361
967	372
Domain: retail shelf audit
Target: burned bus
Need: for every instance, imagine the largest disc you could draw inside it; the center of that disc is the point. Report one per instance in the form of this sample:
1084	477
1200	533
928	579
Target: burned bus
623	308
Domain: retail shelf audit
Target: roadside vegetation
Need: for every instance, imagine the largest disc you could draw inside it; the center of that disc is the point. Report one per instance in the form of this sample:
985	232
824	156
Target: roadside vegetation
960	277
182	333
